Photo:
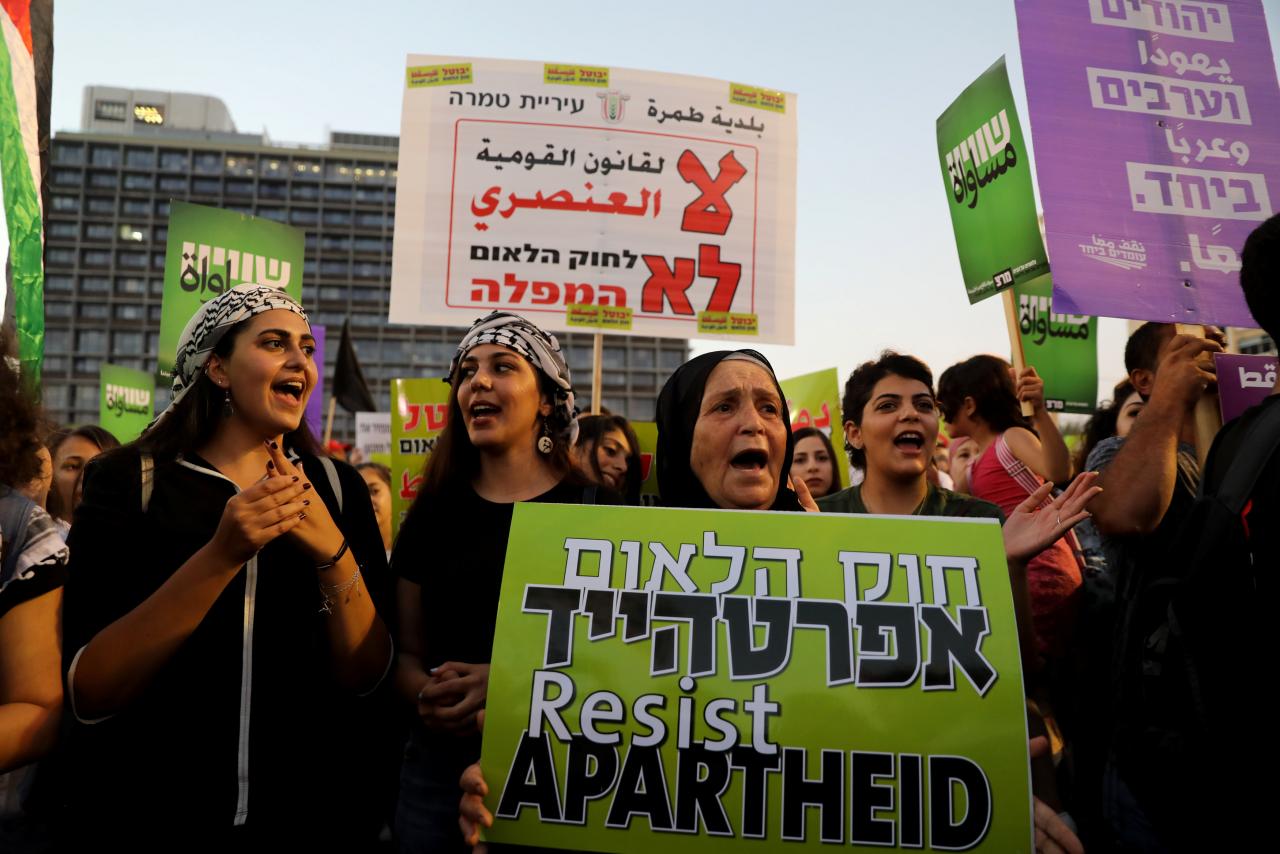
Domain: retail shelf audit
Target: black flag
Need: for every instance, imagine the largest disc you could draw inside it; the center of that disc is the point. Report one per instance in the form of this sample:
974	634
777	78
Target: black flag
349	387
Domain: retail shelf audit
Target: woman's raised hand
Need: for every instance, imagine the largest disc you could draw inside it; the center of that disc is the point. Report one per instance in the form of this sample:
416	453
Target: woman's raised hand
316	533
1030	531
259	514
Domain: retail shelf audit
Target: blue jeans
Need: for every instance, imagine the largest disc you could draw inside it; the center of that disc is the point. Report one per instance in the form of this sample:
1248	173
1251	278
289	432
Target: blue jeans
427	810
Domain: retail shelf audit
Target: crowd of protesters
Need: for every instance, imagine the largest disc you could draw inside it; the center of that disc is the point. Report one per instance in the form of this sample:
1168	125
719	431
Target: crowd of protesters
209	640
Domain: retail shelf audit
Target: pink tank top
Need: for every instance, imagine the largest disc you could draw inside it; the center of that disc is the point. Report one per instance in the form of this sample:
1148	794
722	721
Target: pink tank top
1053	576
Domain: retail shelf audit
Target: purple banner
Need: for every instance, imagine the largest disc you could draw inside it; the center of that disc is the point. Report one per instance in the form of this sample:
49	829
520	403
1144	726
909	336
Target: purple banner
1156	128
1243	381
314	413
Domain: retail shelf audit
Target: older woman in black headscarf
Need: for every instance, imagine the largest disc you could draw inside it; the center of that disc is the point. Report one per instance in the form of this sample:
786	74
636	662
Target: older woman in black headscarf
724	436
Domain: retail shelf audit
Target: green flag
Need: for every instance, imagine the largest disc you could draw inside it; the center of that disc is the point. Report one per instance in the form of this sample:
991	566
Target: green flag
703	680
986	167
126	401
211	250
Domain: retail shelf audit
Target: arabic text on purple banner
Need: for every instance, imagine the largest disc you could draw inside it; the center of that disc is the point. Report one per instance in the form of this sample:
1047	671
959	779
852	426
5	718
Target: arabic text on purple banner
1243	381
1156	128
314	413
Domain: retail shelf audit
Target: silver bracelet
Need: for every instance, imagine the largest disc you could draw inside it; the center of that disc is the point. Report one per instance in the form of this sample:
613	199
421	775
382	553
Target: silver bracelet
331	592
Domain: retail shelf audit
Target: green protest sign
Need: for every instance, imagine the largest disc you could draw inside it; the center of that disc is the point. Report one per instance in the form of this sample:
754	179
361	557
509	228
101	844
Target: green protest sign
126	401
647	434
419	410
210	250
814	401
1063	348
673	677
986	167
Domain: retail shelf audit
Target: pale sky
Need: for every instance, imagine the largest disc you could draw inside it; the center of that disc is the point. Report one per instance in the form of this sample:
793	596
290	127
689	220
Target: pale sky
876	262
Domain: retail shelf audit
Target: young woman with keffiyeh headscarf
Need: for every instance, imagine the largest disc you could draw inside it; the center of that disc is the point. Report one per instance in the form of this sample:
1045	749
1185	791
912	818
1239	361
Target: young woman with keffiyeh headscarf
222	639
510	428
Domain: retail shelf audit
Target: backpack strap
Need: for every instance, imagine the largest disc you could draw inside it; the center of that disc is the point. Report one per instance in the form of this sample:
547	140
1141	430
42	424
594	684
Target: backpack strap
331	471
1256	449
148	480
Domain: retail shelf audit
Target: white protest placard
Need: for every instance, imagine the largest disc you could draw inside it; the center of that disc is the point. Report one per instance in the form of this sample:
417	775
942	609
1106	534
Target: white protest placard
617	200
373	433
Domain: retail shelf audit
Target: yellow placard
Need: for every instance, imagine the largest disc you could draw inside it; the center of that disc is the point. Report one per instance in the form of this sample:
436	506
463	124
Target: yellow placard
575	75
606	317
728	323
438	75
754	96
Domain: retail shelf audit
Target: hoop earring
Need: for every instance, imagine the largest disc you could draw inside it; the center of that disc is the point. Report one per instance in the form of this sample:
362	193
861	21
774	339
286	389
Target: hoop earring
544	441
227	410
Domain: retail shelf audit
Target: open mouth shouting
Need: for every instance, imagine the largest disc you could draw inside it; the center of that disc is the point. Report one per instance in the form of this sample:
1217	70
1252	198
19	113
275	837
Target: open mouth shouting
483	413
750	461
909	442
290	392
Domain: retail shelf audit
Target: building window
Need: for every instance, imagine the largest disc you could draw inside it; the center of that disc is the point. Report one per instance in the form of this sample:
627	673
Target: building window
337	171
101	206
98	231
126	343
129	311
86	396
140	158
162	208
307	170
369	196
276	214
94	285
131	286
59	284
155	312
333	293
134	233
55	396
56	340
60	230
669	360
337	218
96	258
138	182
173	161
272	166
104	180
329	243
271	190
240	164
68	204
370	220
67	177
173	183
132	260
135	207
303	216
207	163
57	309
101	155
110	111
305	192
91	341
371	173
337	194
367	270
206	186
71	155
239	187
334	268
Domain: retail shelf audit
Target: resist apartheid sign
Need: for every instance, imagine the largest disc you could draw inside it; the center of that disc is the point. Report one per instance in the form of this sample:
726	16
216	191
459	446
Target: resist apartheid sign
670	677
585	198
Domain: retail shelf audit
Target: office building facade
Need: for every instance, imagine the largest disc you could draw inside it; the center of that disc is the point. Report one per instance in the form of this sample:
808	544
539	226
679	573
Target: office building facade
109	190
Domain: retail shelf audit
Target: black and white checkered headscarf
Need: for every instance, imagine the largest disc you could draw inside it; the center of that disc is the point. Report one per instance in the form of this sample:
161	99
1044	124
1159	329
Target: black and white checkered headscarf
540	348
214	320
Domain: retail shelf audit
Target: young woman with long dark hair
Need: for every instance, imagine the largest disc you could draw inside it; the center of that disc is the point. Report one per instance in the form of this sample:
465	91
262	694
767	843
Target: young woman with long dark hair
510	428
221	631
607	453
